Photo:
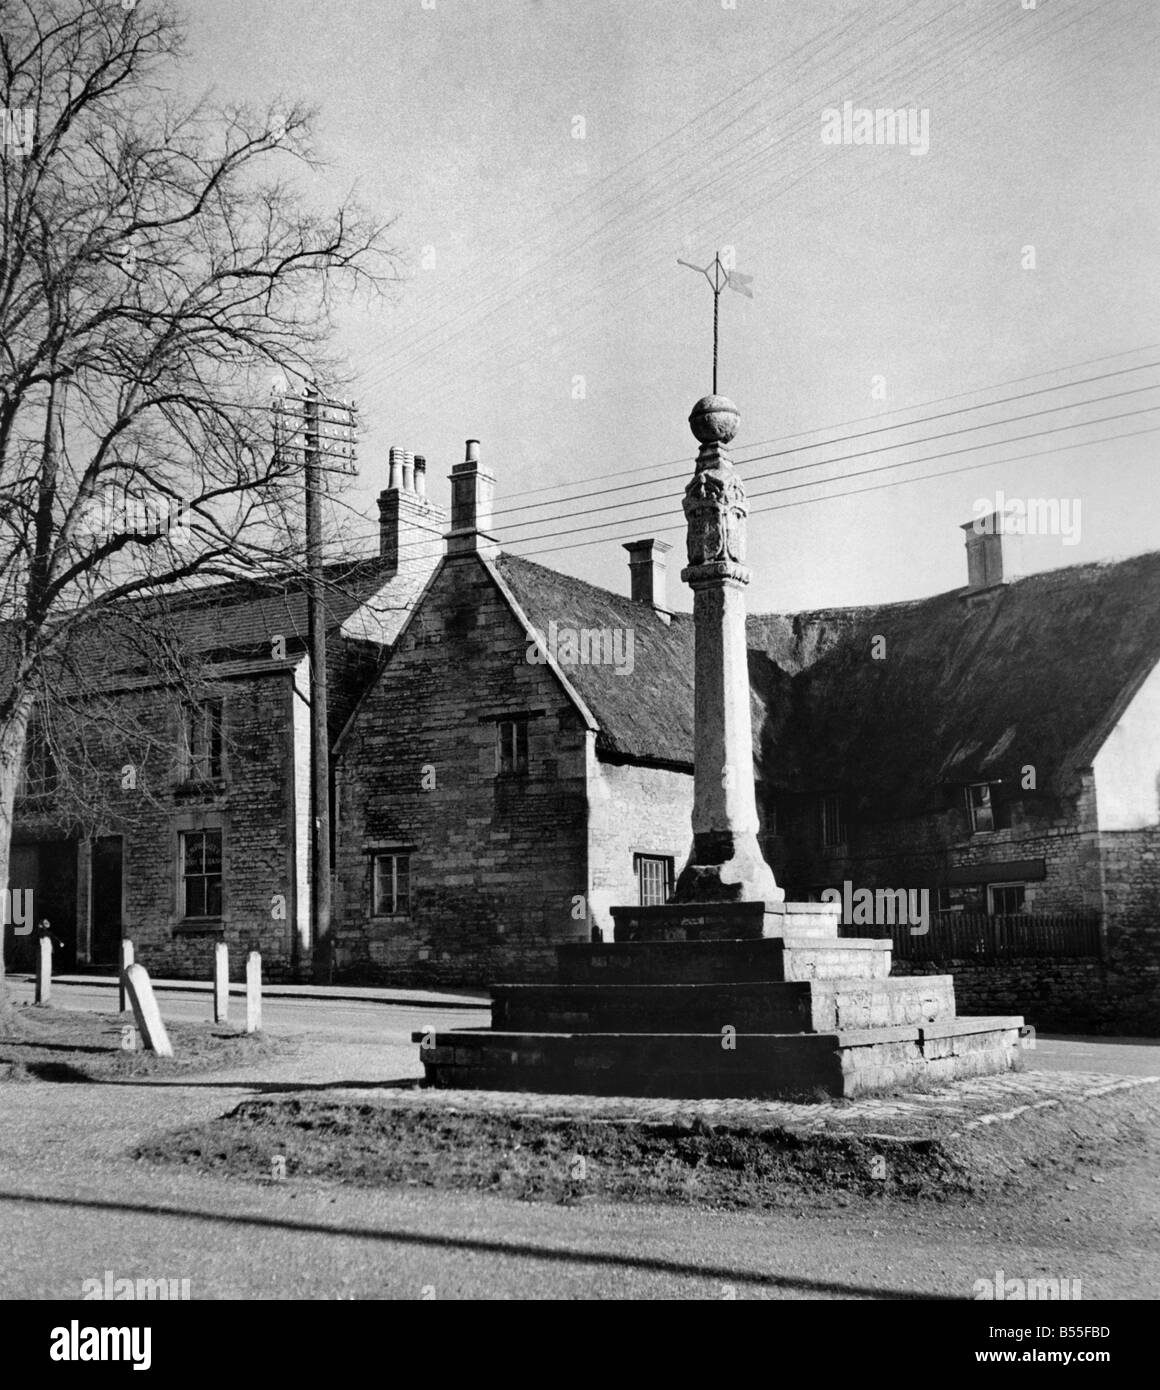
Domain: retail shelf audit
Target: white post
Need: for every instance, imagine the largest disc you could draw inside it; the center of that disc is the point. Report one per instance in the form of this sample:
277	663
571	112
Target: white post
126	962
221	983
253	992
44	970
146	1012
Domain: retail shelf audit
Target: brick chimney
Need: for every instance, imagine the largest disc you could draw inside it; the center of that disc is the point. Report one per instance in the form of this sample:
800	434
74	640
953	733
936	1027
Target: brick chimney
410	524
985	551
649	571
472	493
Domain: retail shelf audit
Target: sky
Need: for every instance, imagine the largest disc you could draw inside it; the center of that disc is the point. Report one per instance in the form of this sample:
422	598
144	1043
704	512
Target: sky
546	163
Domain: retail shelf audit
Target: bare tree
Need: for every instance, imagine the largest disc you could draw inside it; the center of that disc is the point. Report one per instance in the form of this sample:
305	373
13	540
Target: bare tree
154	271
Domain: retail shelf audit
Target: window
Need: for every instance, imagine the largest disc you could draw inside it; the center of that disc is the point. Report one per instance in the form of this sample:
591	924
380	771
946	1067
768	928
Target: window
1005	899
654	879
201	873
38	774
833	831
201	752
391	875
511	753
981	809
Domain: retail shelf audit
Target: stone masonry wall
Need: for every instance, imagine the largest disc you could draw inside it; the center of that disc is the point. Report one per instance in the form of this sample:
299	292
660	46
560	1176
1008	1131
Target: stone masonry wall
251	804
634	810
495	861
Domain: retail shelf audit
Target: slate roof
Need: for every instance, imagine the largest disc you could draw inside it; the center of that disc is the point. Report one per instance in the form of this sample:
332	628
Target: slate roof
1034	672
645	715
218	622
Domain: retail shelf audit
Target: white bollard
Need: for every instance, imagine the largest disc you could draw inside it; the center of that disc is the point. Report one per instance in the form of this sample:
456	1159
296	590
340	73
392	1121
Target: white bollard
126	962
221	983
44	970
253	992
146	1012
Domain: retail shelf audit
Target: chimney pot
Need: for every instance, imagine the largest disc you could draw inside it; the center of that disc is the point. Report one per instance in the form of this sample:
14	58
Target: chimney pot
472	492
648	569
408	471
396	475
984	551
420	475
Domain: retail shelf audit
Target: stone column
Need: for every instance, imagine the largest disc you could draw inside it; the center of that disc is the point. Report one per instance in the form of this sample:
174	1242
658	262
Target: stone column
726	863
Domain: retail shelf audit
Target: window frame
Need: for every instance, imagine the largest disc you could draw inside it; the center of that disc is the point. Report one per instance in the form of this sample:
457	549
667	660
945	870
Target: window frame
639	860
825	803
395	855
38	769
1020	884
973	811
211	712
184	877
508	762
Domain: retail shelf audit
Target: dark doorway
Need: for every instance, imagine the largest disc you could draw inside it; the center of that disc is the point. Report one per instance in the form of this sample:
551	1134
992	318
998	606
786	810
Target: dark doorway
56	898
20	945
105	941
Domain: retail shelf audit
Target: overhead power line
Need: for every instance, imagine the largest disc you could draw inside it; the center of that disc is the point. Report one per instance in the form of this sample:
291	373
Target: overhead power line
878	487
866	434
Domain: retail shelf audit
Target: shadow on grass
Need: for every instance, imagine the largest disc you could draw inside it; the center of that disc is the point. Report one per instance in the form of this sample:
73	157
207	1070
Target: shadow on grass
511	1249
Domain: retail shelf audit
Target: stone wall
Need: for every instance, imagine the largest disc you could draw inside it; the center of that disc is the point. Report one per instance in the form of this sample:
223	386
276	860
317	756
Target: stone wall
634	810
498	864
1131	863
1060	995
252	804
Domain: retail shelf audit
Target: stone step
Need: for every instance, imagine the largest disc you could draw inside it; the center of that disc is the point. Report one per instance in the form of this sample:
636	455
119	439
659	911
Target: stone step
687	1065
715	962
751	1007
725	921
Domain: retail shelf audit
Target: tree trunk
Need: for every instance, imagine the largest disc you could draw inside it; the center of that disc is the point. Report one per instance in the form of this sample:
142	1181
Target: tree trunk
13	729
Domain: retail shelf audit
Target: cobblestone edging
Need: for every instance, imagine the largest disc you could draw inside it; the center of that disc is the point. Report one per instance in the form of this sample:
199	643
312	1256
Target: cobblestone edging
970	1104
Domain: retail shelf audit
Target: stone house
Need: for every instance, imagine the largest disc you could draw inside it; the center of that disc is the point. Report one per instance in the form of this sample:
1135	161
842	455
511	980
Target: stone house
201	830
522	762
499	788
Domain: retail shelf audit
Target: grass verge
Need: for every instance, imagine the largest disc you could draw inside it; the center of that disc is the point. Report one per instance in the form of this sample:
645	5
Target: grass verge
63	1045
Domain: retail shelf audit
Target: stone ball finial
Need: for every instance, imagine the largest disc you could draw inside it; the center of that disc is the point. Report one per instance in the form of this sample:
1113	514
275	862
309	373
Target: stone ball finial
714	420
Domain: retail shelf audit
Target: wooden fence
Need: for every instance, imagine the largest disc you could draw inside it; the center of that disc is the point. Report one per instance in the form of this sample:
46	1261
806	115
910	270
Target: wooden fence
978	936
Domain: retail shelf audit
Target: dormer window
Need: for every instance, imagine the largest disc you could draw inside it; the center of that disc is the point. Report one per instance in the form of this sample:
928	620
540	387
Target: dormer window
980	807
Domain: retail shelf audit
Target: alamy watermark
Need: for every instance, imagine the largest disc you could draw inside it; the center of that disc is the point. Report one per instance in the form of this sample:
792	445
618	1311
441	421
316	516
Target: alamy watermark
1015	1290
879	125
110	1287
1030	516
17	128
585	646
888	907
16	907
156	515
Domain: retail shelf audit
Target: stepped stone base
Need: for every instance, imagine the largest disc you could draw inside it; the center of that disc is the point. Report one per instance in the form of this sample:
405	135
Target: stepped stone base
706	1000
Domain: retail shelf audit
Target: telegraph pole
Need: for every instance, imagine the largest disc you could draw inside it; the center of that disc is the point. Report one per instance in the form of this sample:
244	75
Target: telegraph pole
317	445
323	963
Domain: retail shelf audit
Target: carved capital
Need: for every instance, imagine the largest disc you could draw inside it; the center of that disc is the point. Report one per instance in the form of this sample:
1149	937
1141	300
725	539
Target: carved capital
715	511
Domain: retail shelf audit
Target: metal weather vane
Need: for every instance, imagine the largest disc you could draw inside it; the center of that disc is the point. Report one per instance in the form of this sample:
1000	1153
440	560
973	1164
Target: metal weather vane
719	278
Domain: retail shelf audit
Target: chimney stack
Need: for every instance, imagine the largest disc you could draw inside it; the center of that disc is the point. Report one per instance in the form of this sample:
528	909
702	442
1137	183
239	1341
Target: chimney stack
649	569
985	551
472	493
410	525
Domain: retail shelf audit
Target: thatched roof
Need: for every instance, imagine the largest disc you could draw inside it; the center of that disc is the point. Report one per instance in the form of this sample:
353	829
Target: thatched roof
1032	673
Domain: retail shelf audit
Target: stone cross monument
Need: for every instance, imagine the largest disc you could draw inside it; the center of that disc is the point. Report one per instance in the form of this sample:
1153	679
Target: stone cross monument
726	863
